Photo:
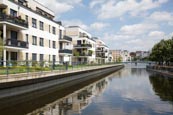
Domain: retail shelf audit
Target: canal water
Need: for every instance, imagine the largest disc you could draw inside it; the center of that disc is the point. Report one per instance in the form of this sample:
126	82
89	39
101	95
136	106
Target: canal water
130	91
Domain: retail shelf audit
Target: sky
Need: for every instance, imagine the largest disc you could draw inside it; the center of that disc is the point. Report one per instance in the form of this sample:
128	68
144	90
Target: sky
122	24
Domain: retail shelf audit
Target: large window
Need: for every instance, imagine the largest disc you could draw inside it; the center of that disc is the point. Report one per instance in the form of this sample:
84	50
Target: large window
26	57
41	57
41	42
60	34
13	13
54	44
34	23
27	38
26	18
41	25
49	44
34	57
53	30
34	40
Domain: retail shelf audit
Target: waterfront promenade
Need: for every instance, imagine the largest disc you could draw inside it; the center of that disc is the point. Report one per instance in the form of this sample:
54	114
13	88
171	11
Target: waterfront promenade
42	74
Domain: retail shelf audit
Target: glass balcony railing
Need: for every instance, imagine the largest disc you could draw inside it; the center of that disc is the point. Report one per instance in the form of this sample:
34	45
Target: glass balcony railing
15	20
16	43
83	45
65	51
66	38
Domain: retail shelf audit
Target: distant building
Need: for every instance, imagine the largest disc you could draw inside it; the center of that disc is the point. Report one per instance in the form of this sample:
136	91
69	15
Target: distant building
125	56
116	55
142	54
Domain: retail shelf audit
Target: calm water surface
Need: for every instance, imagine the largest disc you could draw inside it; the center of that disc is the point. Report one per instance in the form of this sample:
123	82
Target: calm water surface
131	91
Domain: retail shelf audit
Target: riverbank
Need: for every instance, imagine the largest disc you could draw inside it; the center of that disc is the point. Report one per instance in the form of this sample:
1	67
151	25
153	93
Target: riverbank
18	87
164	70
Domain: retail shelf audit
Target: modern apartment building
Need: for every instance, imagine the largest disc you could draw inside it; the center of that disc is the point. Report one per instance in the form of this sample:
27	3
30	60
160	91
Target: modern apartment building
30	33
116	55
102	52
83	45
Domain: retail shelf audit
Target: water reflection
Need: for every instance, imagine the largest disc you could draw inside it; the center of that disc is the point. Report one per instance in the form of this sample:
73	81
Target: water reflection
75	102
163	86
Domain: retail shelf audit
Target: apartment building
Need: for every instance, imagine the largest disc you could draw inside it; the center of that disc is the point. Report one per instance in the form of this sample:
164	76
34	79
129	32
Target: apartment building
29	32
116	55
125	56
102	51
83	45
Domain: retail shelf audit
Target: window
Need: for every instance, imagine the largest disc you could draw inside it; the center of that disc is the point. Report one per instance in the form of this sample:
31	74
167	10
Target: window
26	56
60	34
34	57
78	42
54	30
49	57
41	57
41	25
49	29
34	40
41	42
54	44
49	44
54	58
34	23
13	13
26	18
27	38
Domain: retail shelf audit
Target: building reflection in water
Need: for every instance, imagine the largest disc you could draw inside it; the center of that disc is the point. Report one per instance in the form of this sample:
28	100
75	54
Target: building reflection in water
163	86
75	102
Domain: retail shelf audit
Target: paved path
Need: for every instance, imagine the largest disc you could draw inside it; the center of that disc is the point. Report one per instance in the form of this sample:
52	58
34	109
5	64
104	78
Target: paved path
34	75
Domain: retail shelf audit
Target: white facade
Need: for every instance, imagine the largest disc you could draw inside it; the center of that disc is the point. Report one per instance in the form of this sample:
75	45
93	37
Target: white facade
83	45
34	35
125	56
102	51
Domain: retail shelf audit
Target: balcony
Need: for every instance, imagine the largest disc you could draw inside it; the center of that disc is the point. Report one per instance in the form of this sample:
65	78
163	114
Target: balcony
14	20
16	43
65	51
65	39
83	46
77	54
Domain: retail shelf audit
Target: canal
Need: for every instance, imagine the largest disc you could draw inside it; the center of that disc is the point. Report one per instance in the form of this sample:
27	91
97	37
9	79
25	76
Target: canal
130	91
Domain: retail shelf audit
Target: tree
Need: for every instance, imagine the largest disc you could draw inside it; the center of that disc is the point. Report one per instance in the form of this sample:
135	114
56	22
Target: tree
162	52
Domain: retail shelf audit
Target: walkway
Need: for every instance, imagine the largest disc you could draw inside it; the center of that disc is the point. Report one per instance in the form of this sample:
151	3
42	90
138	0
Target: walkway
41	74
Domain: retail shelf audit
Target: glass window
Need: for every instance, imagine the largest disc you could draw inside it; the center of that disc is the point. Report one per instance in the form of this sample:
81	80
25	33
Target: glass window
49	29
60	34
26	56
26	37
49	44
54	44
34	23
34	40
41	57
34	57
54	30
13	13
26	18
41	25
41	42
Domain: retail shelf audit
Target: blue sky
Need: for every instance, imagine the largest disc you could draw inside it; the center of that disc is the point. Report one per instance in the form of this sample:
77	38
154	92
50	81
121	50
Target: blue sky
121	24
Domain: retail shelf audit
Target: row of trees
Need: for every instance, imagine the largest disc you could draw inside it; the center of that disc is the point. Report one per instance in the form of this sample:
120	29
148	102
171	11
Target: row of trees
162	52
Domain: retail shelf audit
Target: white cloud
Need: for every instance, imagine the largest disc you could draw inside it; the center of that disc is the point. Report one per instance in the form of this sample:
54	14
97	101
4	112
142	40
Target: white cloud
97	26
156	34
113	8
137	29
162	17
60	6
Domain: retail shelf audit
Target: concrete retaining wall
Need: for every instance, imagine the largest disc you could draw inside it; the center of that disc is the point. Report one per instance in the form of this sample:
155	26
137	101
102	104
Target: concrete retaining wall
26	86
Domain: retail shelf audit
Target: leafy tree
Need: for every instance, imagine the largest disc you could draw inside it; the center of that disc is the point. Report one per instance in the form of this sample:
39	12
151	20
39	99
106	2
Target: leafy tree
162	52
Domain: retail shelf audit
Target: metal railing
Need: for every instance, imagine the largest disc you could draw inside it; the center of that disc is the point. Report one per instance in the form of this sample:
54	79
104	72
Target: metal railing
24	69
16	43
14	20
65	51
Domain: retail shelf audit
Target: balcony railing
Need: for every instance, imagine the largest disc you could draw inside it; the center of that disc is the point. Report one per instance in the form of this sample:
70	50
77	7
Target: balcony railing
16	43
66	38
65	51
83	45
82	54
14	20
